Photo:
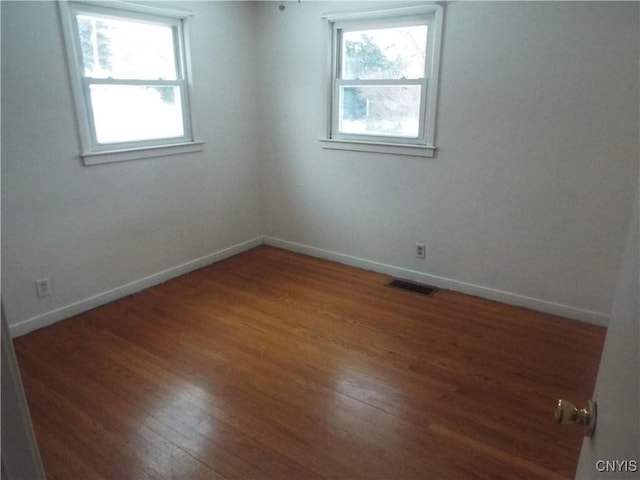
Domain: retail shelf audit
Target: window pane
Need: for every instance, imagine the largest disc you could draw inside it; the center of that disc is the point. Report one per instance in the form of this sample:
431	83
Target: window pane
126	49
128	113
384	53
380	110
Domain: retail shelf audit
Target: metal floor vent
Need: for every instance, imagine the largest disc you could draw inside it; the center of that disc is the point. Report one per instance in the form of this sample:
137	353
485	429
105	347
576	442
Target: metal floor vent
413	287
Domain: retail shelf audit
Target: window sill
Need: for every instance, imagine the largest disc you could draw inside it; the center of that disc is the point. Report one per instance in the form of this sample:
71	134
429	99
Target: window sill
109	156
372	147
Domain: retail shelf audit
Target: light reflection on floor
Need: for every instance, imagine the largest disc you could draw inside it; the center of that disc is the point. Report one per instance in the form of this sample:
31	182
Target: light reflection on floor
364	403
181	409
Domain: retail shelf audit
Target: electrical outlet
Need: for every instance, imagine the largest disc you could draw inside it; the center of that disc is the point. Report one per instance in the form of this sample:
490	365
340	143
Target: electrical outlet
420	250
43	287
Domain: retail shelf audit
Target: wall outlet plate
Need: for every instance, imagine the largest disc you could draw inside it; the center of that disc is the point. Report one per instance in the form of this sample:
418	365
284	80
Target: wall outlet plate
43	287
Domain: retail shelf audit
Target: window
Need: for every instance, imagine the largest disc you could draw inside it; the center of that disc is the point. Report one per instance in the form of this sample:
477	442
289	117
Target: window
384	80
129	77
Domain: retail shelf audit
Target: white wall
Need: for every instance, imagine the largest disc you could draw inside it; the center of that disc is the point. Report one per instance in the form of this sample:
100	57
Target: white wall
617	436
526	200
95	229
528	197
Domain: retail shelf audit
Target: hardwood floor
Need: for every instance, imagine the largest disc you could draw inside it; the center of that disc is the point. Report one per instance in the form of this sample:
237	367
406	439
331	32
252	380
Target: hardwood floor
272	364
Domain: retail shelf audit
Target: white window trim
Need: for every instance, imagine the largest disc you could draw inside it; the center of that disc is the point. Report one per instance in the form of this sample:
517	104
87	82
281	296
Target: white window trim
91	153
109	156
426	149
409	150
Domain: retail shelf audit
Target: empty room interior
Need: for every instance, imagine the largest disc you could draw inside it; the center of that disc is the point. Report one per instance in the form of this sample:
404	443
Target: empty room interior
204	205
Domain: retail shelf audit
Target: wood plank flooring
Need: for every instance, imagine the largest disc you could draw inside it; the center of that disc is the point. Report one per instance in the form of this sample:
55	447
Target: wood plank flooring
276	365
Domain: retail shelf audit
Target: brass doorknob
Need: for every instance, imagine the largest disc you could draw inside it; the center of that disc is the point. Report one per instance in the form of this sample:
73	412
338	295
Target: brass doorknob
567	413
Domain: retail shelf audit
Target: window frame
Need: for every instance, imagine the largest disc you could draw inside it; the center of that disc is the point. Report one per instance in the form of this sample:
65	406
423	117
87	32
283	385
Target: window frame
431	15
94	152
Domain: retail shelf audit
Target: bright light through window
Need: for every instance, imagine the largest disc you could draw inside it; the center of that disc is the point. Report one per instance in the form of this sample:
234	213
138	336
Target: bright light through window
154	112
131	75
384	75
385	53
126	49
381	110
381	81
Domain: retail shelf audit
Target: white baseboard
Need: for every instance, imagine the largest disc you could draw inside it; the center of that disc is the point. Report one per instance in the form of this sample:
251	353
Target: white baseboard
30	324
595	318
53	316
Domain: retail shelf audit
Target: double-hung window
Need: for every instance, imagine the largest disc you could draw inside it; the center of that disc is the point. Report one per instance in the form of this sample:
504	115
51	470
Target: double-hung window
384	78
129	77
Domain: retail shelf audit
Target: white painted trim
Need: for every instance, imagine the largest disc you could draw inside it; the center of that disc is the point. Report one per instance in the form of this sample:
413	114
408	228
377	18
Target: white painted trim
126	150
567	311
372	147
433	75
384	13
135	7
53	316
434	17
20	454
110	156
